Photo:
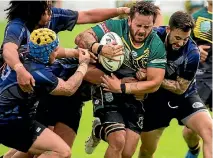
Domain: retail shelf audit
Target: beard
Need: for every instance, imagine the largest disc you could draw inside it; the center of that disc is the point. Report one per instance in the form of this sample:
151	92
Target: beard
133	36
169	46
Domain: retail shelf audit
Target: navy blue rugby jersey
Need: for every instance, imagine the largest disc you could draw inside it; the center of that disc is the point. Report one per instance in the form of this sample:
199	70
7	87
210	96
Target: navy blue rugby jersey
16	104
62	19
184	61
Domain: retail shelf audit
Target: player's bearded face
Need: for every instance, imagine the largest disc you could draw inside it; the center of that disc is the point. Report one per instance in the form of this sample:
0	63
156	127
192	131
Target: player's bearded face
177	38
140	27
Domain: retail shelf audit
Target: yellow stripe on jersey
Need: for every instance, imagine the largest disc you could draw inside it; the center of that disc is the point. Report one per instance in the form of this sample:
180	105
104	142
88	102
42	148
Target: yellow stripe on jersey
203	29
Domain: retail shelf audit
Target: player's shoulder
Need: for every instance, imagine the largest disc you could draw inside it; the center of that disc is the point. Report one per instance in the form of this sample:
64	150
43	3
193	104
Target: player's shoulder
200	12
119	22
60	12
192	46
15	25
155	40
40	72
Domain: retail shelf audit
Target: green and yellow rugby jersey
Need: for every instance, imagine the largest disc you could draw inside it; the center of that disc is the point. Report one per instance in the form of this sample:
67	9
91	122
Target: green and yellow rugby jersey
202	35
151	53
203	26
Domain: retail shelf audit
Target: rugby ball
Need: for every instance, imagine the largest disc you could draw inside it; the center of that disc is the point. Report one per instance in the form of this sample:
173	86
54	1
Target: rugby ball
110	64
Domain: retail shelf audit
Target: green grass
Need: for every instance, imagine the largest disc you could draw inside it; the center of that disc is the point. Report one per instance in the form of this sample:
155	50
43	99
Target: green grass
171	144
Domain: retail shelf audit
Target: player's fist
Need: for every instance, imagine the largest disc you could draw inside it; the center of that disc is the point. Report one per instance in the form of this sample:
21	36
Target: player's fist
84	56
203	52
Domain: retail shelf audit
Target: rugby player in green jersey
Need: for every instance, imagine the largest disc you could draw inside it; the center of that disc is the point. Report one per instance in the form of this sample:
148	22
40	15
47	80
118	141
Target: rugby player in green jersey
120	113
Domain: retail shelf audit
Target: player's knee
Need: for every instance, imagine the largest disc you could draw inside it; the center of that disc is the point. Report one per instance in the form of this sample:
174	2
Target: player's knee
117	139
146	152
206	133
66	152
127	153
188	133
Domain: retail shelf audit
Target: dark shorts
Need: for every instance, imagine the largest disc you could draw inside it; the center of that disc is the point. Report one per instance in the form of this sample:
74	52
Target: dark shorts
204	86
67	110
161	107
116	108
20	135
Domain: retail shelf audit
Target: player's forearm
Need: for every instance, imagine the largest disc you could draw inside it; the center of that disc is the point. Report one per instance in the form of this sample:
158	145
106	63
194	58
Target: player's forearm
177	87
98	15
66	53
10	54
93	75
138	88
74	82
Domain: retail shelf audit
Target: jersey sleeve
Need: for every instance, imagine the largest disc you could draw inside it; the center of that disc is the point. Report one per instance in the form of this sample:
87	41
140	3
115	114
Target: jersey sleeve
14	33
63	19
157	57
190	66
106	26
45	80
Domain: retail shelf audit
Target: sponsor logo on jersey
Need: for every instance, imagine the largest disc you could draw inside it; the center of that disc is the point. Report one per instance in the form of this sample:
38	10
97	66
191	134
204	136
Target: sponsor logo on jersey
140	122
108	96
104	27
197	105
96	102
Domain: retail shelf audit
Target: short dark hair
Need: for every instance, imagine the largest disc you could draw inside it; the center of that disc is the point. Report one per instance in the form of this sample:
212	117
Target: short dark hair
144	8
181	20
28	11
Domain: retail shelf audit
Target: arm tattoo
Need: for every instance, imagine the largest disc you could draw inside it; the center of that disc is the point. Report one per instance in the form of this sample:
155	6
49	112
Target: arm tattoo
86	39
69	87
75	81
177	87
132	86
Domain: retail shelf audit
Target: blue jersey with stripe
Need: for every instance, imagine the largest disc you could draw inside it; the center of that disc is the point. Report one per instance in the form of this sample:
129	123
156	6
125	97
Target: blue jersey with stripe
184	61
16	31
61	19
16	104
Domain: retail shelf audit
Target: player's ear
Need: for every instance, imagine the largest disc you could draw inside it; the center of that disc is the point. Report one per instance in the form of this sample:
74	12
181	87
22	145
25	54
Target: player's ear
129	21
168	29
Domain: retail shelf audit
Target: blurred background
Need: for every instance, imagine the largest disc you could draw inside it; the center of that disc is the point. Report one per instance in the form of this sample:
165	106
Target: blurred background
167	6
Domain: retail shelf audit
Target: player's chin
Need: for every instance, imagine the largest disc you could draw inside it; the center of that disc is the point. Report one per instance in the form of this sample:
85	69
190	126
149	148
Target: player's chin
175	48
139	39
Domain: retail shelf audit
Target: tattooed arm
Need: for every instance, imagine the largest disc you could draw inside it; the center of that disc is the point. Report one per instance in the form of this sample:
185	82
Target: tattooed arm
177	87
69	87
87	40
154	78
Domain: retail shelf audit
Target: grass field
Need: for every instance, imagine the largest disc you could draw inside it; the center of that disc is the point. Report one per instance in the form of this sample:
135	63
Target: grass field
171	144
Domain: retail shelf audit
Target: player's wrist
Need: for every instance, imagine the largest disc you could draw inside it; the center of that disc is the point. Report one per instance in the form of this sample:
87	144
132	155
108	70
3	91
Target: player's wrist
123	88
82	68
90	49
17	67
97	48
120	10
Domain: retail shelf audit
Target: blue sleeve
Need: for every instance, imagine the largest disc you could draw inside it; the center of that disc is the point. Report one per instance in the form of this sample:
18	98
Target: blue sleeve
191	65
63	19
65	67
45	80
15	33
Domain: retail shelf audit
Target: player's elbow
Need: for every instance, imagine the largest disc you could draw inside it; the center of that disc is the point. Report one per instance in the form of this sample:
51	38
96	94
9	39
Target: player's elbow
180	91
78	39
155	88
